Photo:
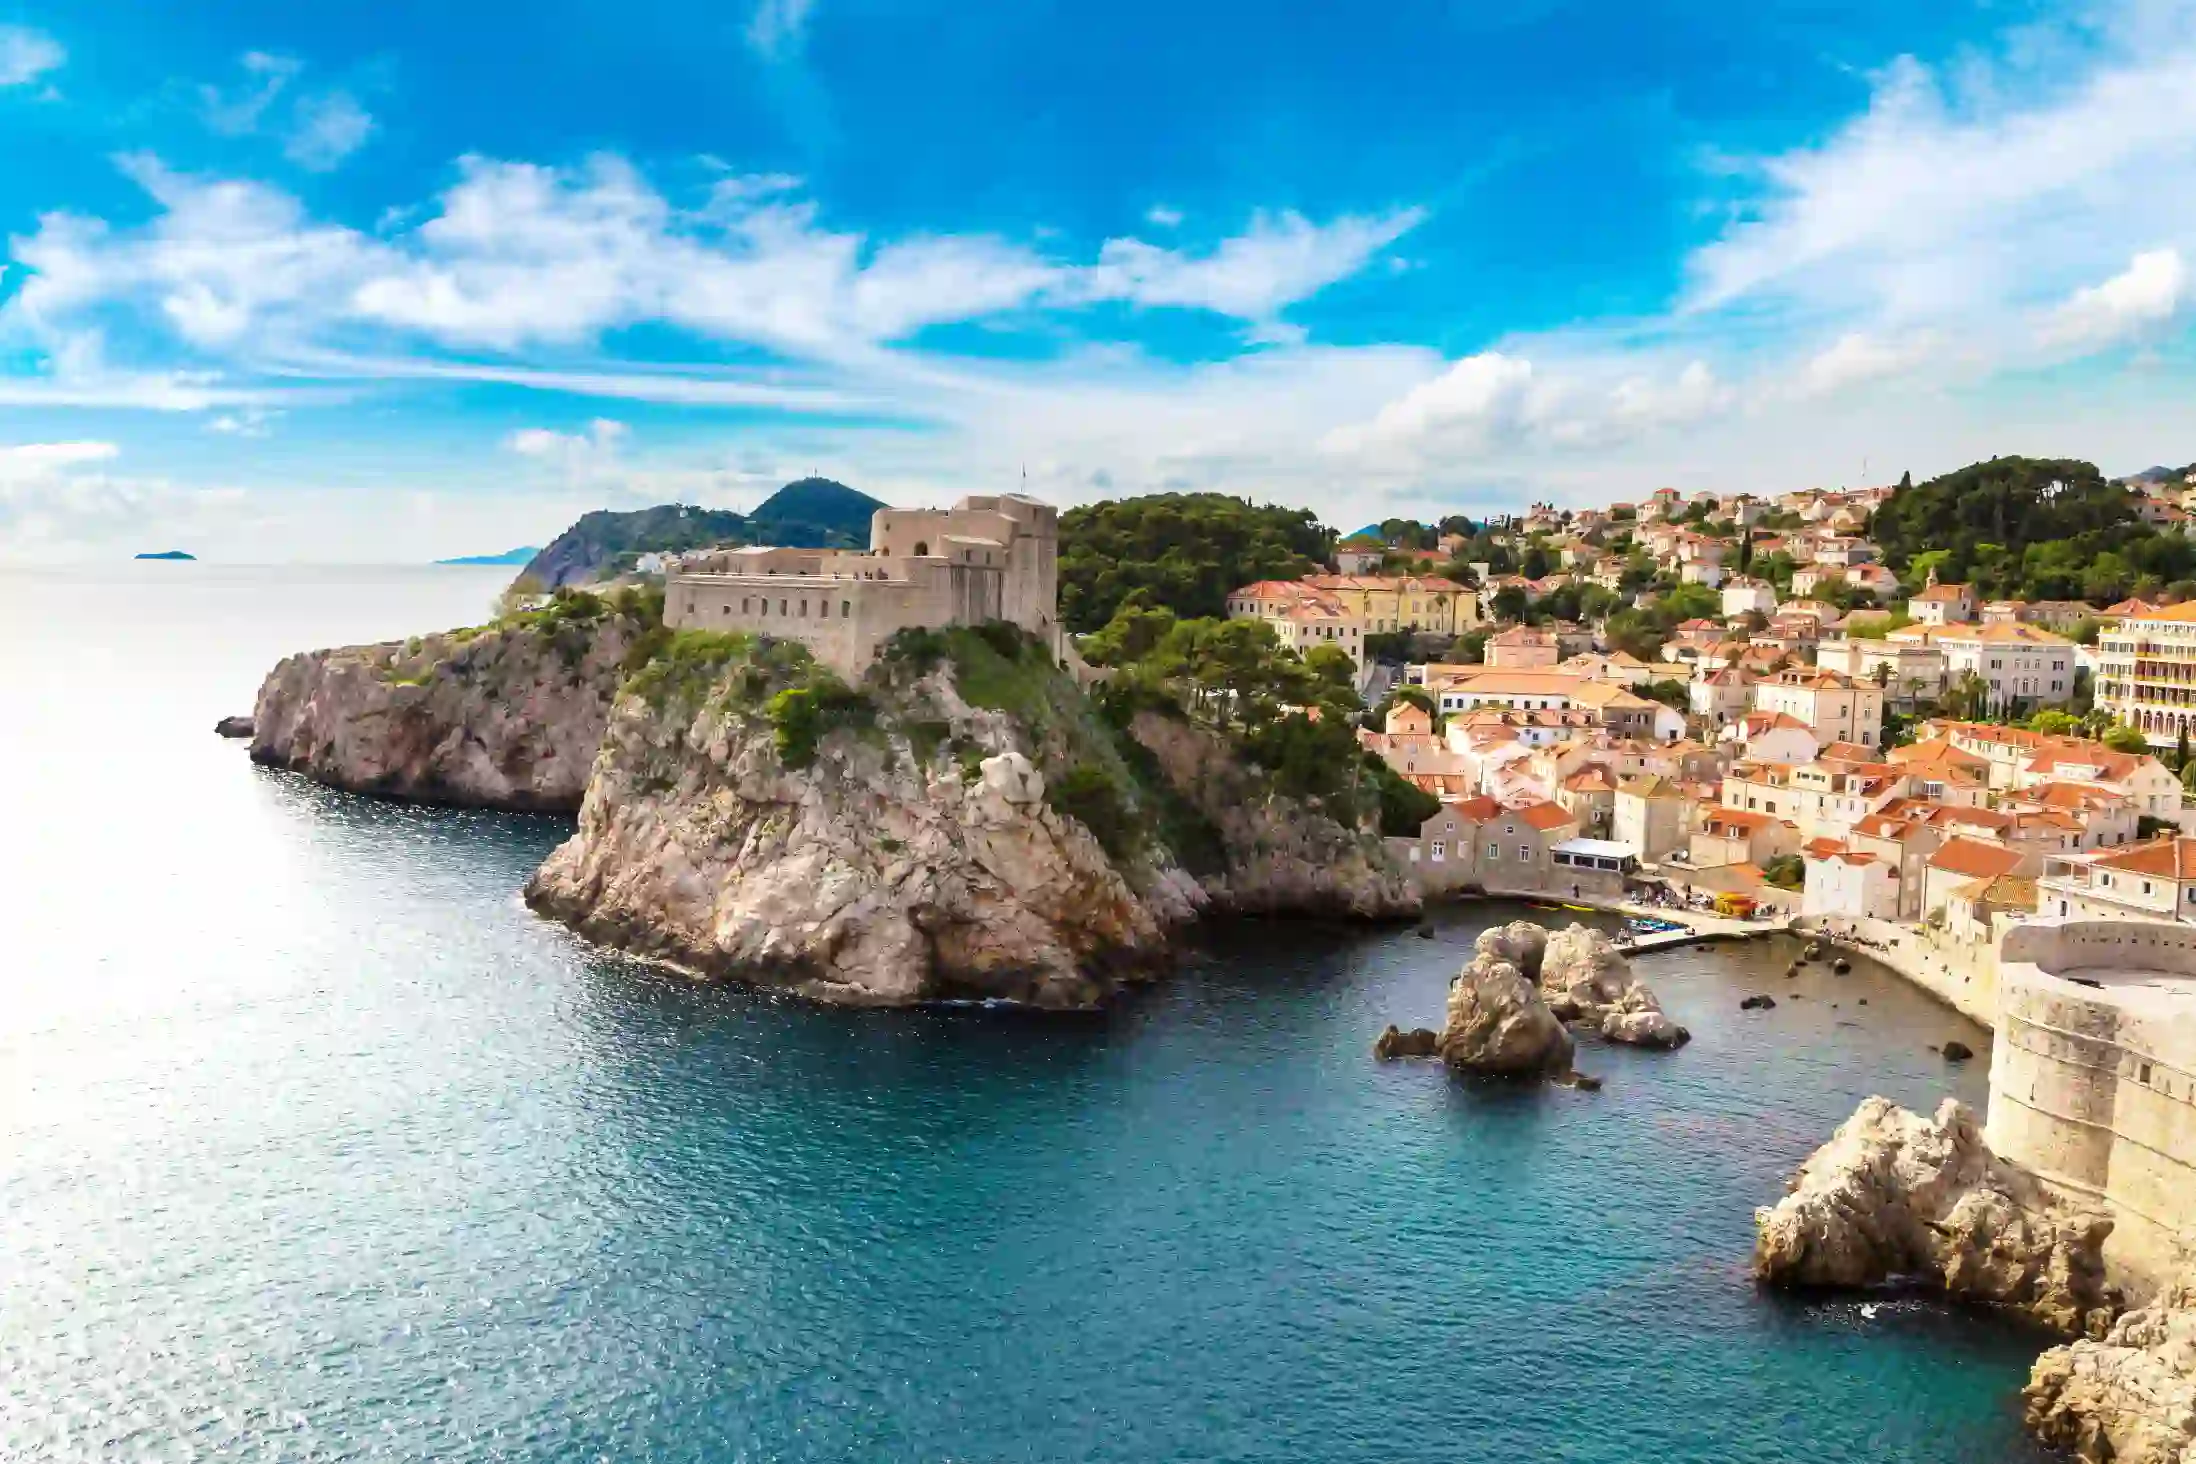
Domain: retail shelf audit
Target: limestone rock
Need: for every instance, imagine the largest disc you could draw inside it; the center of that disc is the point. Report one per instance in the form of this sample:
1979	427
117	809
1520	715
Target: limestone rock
1418	1042
1586	978
508	717
1522	943
1497	1024
1895	1195
878	875
1281	856
233	727
2129	1397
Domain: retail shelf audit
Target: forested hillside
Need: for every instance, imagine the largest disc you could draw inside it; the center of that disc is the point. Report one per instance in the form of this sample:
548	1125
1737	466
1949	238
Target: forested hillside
2032	529
1178	551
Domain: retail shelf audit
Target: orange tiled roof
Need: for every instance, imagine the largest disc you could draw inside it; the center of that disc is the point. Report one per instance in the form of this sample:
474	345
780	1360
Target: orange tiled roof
2173	858
1973	859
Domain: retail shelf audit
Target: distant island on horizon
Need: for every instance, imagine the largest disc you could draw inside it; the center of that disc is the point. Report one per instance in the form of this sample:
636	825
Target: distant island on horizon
508	556
169	554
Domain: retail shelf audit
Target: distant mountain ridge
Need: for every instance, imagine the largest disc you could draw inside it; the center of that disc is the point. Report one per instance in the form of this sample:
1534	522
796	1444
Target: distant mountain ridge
509	556
809	513
168	554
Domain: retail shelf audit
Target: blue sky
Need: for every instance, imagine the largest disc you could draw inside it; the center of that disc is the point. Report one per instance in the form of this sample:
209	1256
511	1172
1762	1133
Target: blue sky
390	282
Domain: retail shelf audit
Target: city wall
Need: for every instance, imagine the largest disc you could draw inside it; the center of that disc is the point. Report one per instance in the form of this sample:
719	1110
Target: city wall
2093	1076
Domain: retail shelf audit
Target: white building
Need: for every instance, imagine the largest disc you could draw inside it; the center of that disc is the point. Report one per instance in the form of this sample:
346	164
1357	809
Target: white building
1745	593
2020	665
2146	672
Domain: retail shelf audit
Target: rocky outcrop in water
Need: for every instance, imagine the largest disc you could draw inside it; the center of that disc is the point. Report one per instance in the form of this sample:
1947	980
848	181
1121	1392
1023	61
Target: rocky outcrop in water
1589	980
1395	1043
507	716
1584	978
1897	1196
1498	1025
2128	1397
234	727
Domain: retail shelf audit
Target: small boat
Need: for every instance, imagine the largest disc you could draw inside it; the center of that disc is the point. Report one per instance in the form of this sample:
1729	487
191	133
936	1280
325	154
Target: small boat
1581	909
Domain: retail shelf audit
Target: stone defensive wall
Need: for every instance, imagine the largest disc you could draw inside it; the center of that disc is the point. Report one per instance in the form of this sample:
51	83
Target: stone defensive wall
2093	1075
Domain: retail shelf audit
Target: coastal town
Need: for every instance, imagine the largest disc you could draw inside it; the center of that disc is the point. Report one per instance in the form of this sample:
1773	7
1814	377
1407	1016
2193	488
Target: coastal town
1801	733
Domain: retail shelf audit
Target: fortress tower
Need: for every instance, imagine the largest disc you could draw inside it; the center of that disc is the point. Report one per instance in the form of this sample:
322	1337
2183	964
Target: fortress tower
995	557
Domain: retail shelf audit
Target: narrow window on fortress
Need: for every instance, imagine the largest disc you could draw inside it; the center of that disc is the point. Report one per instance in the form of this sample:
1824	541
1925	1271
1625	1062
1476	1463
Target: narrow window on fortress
745	606
804	609
846	608
922	549
781	607
2143	1075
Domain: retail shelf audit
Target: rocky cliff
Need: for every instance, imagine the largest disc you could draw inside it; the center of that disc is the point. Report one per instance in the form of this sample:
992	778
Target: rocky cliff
509	715
964	824
1276	855
2129	1397
1895	1195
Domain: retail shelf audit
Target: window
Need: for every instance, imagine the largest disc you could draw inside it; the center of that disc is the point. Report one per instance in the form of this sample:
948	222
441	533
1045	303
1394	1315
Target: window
1440	851
743	604
1494	851
804	609
1524	852
846	608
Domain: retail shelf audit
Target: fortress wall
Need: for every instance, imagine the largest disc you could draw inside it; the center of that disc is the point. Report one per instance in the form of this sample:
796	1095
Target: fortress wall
2095	1087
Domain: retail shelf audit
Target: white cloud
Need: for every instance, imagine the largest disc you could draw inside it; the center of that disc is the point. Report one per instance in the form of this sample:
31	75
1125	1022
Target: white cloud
1961	195
580	455
253	422
42	459
1281	259
2146	294
1858	357
520	254
1480	399
779	27
26	55
329	128
1164	217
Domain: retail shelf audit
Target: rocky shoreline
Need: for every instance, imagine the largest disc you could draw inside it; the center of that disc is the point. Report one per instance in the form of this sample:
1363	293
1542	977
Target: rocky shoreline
1897	1197
743	815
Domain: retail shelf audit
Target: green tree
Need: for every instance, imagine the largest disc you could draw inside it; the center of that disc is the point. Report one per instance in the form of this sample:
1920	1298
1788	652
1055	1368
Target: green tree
2122	738
1132	634
1670	693
1181	552
2055	723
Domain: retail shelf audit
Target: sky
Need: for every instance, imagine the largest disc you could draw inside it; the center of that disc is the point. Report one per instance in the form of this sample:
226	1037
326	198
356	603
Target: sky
394	282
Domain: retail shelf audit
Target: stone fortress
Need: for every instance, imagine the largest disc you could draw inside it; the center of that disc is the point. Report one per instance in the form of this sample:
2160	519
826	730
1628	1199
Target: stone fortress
993	557
2092	1082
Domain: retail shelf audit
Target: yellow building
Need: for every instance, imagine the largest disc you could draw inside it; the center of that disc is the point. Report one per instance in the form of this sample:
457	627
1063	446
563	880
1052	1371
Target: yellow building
1402	602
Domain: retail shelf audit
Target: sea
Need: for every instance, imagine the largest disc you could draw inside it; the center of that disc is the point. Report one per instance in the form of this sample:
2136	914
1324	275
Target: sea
315	1144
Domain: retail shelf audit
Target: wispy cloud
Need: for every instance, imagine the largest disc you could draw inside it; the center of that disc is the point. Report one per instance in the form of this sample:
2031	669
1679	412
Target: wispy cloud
518	254
779	27
328	129
26	55
317	129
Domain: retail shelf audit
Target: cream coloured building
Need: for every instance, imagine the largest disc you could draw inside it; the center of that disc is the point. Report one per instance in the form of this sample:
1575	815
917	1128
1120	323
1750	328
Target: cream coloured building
1301	617
1838	708
992	557
2146	672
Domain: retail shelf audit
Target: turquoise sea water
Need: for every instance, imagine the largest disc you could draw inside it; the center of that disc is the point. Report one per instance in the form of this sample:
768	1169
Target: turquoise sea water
316	1145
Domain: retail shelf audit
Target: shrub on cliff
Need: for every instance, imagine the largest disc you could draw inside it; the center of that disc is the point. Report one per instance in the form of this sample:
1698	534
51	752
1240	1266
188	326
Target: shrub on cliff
802	716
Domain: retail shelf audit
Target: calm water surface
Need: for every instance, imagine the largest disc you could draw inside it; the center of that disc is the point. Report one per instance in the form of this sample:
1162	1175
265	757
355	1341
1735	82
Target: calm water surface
315	1145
